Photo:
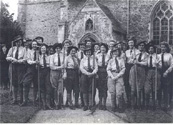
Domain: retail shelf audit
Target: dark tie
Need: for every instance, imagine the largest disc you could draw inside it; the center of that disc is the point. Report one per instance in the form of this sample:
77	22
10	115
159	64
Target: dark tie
151	61
75	64
34	55
162	60
89	66
59	61
103	60
44	60
17	53
117	65
131	52
140	56
81	55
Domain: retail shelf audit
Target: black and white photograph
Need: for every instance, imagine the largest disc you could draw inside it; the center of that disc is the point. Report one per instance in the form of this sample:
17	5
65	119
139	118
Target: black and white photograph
86	61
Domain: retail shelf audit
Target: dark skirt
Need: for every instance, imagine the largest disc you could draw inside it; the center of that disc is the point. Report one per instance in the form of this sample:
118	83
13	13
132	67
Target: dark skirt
72	81
86	84
102	81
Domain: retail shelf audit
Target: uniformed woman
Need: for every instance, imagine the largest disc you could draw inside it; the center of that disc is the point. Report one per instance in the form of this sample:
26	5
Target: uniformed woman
72	80
56	74
89	68
116	70
16	56
102	60
167	67
138	76
44	75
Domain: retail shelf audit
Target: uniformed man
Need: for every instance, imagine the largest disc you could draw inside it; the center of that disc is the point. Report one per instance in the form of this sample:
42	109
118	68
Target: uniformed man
89	68
40	40
102	60
88	43
111	46
16	56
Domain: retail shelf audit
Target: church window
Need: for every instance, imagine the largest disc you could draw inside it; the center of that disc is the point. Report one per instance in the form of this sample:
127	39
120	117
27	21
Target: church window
163	23
89	25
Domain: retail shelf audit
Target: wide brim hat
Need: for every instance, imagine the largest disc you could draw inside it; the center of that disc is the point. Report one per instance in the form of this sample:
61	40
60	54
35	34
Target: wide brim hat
39	37
88	49
57	45
17	38
105	45
67	41
44	45
27	40
70	48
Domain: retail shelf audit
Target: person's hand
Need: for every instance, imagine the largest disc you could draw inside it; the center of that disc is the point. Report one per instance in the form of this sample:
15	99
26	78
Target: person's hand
20	61
115	78
165	74
14	60
37	62
64	76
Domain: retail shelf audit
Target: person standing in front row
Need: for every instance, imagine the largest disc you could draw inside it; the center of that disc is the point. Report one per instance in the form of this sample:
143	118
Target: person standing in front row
167	66
72	78
89	68
44	75
102	60
16	56
116	70
56	74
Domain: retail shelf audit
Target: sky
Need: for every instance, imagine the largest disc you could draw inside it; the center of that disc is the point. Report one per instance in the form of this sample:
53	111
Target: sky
13	7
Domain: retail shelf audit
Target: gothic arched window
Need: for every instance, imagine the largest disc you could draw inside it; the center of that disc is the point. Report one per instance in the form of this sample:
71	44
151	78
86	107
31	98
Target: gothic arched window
89	25
163	23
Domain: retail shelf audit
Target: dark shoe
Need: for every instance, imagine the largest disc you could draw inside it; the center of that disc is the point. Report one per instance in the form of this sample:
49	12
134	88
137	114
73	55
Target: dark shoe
24	104
85	108
72	107
49	107
90	107
14	103
77	106
100	107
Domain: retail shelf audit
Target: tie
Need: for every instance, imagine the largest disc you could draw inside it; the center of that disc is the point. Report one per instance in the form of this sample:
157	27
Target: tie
131	52
75	64
117	65
162	60
89	66
34	55
81	55
59	62
140	56
151	61
17	53
103	60
44	60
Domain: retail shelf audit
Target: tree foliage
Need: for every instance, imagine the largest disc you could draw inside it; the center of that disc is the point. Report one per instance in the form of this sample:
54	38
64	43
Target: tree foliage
9	28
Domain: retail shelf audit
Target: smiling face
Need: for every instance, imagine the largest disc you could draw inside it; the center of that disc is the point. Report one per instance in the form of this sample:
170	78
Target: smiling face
111	44
141	47
151	50
131	44
73	52
96	48
34	45
163	48
43	49
82	47
88	53
103	49
58	49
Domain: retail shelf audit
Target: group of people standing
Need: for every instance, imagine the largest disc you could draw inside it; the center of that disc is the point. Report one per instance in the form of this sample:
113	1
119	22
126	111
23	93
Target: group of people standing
133	76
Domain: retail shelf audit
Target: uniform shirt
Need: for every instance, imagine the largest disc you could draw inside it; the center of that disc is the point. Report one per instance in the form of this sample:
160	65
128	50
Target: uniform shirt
27	51
41	60
54	61
79	54
30	56
99	59
113	67
168	61
12	52
144	58
69	63
155	60
131	54
123	56
84	65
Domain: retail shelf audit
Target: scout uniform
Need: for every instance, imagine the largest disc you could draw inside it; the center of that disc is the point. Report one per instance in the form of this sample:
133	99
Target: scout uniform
102	60
87	66
16	70
72	81
116	68
56	73
167	66
153	62
137	77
